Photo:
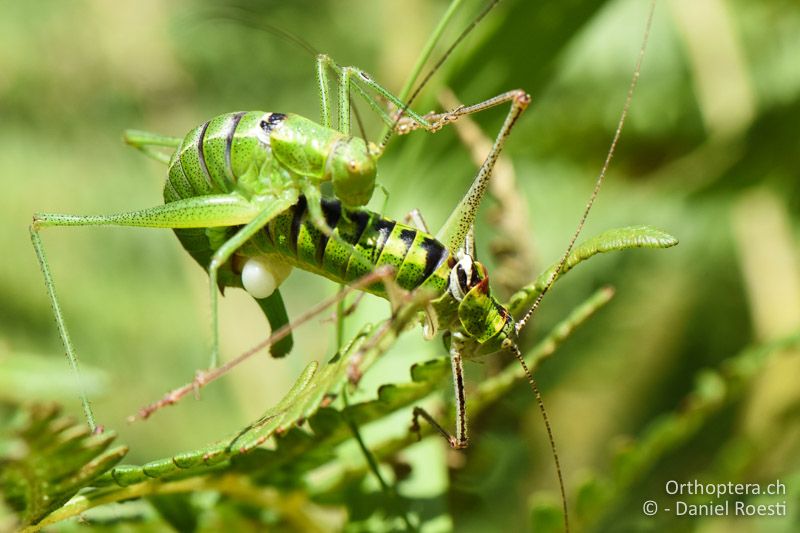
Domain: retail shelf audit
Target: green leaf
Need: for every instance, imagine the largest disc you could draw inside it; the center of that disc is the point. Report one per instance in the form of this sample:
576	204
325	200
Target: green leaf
608	241
49	459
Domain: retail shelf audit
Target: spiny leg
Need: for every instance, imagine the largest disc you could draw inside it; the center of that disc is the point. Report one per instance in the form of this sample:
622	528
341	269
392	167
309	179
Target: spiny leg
459	440
514	256
62	327
324	92
457	226
346	74
455	229
193	212
399	102
410	96
352	78
324	63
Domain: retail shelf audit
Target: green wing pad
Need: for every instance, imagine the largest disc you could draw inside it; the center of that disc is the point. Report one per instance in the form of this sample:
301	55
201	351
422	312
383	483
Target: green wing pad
482	317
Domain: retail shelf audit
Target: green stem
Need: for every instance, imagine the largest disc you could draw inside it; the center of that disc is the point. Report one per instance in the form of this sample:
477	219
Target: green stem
231	485
388	491
373	464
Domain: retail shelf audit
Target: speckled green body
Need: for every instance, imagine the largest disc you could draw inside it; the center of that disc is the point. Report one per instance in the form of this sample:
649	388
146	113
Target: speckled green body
419	261
255	153
418	258
246	186
259	155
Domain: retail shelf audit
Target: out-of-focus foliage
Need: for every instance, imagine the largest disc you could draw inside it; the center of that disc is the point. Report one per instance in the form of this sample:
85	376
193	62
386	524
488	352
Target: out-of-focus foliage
689	373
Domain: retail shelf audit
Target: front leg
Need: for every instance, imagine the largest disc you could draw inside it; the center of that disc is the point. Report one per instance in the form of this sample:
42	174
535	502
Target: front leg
224	253
459	440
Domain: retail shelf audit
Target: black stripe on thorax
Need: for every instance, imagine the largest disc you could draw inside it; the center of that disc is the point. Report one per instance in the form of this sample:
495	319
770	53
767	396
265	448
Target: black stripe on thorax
408	236
332	211
228	143
384	227
435	253
297	221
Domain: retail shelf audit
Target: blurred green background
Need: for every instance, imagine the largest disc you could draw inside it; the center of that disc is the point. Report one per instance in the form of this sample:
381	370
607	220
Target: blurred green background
710	153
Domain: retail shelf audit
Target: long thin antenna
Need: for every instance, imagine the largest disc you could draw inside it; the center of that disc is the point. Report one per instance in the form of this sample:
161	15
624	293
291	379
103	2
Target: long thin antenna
253	21
514	350
466	31
581	223
601	176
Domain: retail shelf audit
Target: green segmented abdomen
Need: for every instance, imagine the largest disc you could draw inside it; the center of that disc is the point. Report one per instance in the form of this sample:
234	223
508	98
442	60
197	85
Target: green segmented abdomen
418	258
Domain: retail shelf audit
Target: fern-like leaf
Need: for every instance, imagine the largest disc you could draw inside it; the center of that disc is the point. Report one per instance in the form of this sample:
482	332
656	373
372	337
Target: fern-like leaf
48	458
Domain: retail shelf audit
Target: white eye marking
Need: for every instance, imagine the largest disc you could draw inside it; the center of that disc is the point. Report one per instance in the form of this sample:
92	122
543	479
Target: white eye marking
257	279
461	277
262	132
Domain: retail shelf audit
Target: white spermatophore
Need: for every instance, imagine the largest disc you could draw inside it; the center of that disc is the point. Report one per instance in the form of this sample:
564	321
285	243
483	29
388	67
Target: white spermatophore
258	279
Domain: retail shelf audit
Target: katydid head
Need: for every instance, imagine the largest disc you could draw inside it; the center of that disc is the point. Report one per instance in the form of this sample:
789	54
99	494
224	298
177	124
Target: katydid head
482	317
352	167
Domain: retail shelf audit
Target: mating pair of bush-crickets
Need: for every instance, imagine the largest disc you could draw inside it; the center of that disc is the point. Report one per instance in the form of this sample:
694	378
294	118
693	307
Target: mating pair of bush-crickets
243	195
